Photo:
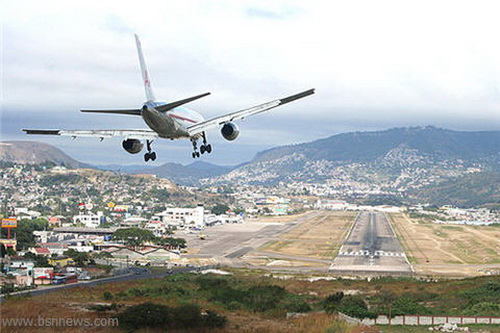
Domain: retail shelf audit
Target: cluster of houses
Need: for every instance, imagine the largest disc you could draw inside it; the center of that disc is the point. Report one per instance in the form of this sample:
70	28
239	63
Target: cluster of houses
26	274
453	215
86	234
171	218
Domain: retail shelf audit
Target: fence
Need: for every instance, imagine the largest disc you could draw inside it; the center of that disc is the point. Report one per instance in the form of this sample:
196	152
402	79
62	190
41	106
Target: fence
422	320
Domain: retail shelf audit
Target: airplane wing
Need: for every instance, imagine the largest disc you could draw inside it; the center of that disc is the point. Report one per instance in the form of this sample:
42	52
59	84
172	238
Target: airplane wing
217	121
128	134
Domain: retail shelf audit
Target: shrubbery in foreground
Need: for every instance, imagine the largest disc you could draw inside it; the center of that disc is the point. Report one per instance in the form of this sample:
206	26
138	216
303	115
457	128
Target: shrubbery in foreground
153	315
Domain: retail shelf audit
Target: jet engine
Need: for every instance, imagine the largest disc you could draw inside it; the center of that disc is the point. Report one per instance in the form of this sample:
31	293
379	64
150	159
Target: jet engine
132	146
230	131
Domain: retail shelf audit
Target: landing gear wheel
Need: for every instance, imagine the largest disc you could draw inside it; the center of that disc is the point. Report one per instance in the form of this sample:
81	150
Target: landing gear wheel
194	154
202	149
197	154
208	148
150	155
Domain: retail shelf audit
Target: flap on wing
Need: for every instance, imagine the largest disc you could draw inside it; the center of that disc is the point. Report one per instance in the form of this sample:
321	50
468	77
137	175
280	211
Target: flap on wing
132	112
173	105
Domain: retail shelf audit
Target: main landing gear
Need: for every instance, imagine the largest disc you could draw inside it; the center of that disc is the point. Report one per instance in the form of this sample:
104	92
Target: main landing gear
150	155
204	148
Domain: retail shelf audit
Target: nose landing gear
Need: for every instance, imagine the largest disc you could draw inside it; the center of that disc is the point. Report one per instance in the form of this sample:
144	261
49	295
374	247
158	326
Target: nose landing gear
150	155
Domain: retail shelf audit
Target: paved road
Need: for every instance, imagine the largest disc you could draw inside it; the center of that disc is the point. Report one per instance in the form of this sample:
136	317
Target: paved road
371	248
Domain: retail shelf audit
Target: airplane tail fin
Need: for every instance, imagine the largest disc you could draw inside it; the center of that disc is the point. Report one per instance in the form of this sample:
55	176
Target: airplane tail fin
145	76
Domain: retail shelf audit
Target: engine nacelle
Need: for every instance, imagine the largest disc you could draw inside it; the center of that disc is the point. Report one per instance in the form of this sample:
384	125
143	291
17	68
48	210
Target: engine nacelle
132	146
230	131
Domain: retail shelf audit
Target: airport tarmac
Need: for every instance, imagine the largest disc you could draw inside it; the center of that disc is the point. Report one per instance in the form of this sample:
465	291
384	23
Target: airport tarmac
229	242
371	247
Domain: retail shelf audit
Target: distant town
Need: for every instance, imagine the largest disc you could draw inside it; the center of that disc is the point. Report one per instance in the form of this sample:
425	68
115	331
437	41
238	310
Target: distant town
63	225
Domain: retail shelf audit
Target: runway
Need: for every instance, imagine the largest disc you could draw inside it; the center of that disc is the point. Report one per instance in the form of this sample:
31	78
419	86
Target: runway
371	248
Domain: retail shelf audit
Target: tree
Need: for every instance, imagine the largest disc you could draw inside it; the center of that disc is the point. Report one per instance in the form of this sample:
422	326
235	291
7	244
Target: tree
355	306
332	302
24	232
134	236
219	209
80	258
40	261
170	241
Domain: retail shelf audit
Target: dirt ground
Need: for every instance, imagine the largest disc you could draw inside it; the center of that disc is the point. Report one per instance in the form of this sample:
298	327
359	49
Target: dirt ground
319	237
448	249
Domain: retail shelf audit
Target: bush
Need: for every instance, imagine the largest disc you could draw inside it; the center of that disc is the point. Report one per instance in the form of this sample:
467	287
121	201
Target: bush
186	316
332	302
107	296
486	309
355	306
214	320
296	303
408	305
146	315
264	298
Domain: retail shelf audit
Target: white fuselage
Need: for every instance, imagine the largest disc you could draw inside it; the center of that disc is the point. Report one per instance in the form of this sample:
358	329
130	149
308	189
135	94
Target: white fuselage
172	124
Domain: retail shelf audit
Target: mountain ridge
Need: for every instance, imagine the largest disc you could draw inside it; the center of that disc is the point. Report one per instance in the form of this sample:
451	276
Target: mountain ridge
414	162
33	152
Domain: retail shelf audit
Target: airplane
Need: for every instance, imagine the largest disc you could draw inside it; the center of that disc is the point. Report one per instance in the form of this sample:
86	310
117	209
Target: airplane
169	120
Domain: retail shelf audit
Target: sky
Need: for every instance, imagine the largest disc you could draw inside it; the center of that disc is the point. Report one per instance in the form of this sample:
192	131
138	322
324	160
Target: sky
374	64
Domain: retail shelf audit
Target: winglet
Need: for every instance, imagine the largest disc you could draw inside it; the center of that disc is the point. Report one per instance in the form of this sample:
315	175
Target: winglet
296	96
145	76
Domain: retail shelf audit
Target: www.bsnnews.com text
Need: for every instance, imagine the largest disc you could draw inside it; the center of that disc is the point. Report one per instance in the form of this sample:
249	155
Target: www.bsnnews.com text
58	322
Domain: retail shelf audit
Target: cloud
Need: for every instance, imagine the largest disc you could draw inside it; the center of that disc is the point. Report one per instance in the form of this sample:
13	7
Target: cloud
374	64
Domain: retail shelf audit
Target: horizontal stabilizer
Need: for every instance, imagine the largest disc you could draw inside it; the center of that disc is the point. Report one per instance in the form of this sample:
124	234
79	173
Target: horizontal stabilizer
128	134
173	105
133	112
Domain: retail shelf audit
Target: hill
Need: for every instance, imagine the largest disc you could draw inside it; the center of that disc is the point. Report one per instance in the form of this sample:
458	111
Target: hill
369	146
30	152
399	162
186	174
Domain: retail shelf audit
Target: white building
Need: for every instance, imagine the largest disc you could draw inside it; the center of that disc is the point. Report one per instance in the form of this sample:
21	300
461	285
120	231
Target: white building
183	217
133	222
331	204
156	226
90	220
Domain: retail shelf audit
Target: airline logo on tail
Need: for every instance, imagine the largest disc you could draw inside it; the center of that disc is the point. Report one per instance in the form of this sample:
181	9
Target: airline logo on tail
146	79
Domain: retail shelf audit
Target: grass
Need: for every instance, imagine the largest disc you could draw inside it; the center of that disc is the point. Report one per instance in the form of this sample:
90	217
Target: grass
450	227
446	297
432	246
319	237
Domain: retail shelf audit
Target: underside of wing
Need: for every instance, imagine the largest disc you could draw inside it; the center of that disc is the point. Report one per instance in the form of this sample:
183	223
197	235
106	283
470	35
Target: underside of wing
217	121
128	134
